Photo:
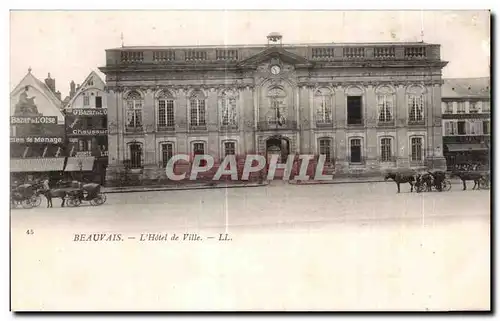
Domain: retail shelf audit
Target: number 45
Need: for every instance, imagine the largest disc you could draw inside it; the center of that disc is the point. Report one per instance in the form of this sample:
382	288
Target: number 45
30	232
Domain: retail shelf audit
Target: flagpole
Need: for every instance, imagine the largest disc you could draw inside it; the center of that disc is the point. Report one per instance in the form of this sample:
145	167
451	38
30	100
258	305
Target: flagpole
422	25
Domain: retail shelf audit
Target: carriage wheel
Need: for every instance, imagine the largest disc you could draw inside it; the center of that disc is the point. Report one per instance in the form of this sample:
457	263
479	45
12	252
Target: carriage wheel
36	200
483	183
99	199
419	188
74	202
27	203
446	185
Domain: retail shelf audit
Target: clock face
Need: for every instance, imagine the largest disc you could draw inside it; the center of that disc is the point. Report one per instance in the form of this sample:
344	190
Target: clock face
275	70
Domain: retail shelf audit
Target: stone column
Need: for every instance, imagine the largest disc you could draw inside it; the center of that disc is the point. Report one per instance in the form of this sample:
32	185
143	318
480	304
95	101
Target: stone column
340	118
181	120
114	161
372	162
401	142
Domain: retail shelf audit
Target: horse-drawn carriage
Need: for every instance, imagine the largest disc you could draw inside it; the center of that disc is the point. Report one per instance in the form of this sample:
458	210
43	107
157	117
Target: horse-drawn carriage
86	193
26	195
427	181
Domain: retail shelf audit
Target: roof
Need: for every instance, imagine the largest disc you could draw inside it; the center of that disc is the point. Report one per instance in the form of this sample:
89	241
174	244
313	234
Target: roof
329	44
466	87
42	85
83	87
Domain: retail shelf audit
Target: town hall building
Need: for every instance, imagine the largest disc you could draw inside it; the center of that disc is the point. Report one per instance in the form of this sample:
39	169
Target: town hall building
368	107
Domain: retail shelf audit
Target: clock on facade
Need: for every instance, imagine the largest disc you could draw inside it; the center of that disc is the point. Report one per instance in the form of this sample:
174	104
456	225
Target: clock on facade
275	69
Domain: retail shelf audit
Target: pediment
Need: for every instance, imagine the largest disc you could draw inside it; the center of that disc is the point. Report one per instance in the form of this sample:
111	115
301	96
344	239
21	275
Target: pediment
279	53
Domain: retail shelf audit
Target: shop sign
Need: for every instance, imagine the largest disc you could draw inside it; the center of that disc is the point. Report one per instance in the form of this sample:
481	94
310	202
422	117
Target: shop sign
87	111
16	120
37	140
89	132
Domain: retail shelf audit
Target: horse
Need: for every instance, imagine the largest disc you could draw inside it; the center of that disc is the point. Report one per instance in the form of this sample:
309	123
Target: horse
54	193
399	178
468	176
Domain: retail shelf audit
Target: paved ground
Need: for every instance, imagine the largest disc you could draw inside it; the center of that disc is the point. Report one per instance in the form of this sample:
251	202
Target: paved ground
354	246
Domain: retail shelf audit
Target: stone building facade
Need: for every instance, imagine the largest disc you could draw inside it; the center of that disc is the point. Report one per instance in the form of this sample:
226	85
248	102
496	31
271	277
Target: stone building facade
368	107
466	122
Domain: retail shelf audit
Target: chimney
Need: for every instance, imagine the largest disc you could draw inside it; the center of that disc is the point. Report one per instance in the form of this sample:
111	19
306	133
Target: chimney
77	87
58	95
51	83
72	89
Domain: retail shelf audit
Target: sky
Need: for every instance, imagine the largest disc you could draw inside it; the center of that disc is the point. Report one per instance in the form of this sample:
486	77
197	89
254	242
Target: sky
70	44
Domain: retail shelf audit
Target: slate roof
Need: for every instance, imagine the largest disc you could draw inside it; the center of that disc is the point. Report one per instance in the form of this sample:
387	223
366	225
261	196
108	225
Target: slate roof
466	88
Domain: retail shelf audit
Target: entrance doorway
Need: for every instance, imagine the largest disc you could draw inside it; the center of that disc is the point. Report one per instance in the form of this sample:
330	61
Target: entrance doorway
277	145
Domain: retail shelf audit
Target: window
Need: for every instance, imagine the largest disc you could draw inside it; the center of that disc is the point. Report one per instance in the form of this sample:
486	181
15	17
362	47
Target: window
355	150
86	100
461	107
135	155
90	82
416	149
84	145
199	149
98	102
165	110
323	102
475	127
167	151
416	106
385	108
473	107
81	145
486	127
278	109
134	110
228	109
385	104
450	128
385	149
326	149
197	109
461	128
485	108
229	148
448	108
354	110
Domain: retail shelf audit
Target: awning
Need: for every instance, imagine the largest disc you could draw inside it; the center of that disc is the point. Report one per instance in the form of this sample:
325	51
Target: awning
76	164
465	147
36	164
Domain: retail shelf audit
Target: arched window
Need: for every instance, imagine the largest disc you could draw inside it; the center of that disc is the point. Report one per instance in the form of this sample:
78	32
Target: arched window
134	110
323	104
385	104
228	106
416	104
165	103
354	105
197	109
135	153
278	109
